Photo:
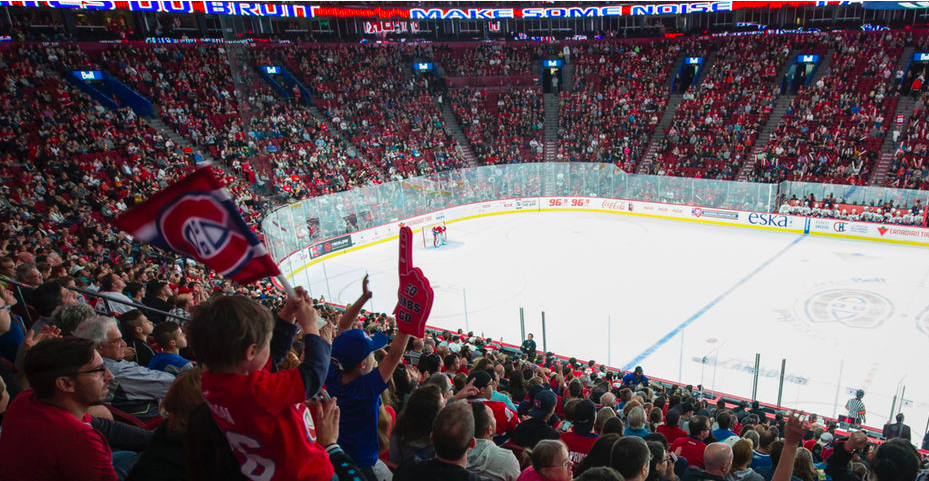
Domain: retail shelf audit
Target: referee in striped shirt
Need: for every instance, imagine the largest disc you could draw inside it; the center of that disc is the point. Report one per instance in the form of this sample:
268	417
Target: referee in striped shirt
856	410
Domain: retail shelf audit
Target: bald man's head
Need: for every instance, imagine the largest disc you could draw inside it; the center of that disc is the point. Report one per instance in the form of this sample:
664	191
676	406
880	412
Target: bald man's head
717	458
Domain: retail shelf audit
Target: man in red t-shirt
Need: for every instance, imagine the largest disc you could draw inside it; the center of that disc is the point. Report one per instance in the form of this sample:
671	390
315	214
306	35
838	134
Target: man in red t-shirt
46	430
506	418
581	437
670	428
262	413
692	446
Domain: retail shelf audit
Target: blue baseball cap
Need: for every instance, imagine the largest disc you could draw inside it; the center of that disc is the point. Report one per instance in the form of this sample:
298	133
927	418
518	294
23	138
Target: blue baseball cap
353	346
542	403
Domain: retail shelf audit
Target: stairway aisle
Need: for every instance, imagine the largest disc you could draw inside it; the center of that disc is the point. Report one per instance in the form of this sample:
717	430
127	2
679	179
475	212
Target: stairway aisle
551	105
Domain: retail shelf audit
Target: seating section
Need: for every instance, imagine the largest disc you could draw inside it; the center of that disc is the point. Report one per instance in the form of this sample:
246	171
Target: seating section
717	123
369	94
502	126
909	167
488	59
833	130
113	157
69	165
618	98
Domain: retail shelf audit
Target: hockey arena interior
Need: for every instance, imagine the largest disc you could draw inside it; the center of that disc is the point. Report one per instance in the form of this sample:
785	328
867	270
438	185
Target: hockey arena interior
466	240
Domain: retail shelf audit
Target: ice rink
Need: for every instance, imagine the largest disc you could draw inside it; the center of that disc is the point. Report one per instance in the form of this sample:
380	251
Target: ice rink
689	302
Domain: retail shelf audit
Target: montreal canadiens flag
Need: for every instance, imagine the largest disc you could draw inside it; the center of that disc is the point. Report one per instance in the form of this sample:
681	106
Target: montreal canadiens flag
197	218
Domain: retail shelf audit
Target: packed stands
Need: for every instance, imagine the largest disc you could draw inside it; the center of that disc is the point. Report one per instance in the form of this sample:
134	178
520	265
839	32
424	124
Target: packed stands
69	165
400	134
909	168
834	129
489	59
716	125
618	98
502	126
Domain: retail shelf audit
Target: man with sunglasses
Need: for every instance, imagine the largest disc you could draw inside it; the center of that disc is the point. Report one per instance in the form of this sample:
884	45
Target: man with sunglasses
47	432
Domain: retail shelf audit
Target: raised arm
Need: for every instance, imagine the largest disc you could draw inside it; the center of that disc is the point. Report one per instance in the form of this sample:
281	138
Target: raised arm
350	314
393	358
793	436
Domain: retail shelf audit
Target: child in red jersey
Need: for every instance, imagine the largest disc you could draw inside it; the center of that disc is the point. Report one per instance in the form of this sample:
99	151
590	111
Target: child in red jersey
262	412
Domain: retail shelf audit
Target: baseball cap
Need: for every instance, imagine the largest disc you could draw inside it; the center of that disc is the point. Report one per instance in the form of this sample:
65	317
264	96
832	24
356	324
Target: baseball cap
543	402
75	270
535	390
584	414
824	439
353	346
481	379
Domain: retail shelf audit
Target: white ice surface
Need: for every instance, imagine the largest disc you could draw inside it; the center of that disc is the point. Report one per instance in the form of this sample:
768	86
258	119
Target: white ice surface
844	313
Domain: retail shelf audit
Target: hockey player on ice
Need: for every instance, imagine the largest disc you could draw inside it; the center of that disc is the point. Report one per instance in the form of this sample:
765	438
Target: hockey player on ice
438	236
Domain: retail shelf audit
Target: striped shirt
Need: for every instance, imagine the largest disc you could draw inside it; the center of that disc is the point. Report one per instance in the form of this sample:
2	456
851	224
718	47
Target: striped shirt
856	409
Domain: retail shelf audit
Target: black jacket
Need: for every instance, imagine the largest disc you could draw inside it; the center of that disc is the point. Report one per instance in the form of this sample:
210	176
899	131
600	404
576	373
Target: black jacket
165	458
433	469
896	430
694	473
156	303
143	352
531	431
837	466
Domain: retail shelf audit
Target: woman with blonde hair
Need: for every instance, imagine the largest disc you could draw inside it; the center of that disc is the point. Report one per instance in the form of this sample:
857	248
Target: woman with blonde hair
752	436
603	414
803	466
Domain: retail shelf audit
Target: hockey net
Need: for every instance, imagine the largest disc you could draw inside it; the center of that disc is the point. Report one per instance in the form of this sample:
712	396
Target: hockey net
429	240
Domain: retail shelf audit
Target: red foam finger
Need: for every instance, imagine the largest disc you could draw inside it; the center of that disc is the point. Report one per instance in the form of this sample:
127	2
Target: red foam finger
415	295
406	249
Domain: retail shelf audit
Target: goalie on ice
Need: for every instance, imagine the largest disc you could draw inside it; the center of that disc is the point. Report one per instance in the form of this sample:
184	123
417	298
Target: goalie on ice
438	236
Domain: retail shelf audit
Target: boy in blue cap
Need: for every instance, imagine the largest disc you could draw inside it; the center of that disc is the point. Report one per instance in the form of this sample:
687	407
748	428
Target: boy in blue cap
356	380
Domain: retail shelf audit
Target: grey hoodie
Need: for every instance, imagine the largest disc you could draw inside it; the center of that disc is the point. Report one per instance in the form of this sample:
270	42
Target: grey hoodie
747	474
493	462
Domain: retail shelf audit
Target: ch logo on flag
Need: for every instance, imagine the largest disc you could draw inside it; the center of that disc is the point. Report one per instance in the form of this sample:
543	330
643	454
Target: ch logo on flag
197	218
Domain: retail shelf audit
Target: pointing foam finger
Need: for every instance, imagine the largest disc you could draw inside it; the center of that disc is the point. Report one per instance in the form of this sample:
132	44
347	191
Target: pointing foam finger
406	250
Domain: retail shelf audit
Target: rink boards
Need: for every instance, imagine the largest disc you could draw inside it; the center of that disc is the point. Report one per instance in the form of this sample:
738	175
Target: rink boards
871	231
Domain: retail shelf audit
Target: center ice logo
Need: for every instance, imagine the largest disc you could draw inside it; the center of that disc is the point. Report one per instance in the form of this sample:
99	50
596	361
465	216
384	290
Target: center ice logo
852	307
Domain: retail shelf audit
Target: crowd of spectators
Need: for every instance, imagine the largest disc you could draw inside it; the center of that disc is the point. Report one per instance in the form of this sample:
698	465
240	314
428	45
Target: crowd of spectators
834	128
451	405
618	98
717	122
127	395
909	168
79	159
401	134
488	59
34	25
502	126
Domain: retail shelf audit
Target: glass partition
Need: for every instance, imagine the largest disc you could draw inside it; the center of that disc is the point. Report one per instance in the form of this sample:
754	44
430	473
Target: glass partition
854	194
303	223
